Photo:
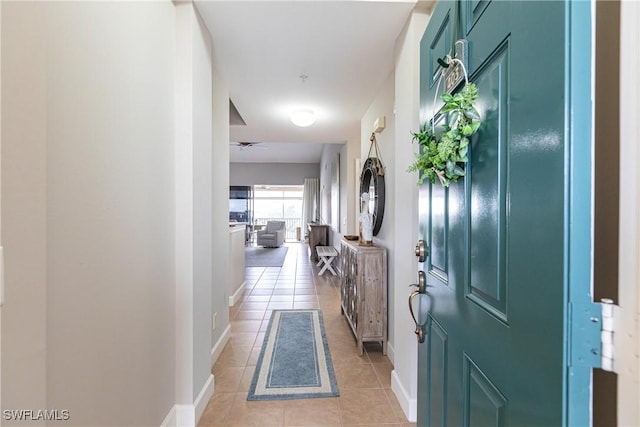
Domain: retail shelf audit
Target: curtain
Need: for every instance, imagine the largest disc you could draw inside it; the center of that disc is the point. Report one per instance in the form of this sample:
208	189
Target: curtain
310	201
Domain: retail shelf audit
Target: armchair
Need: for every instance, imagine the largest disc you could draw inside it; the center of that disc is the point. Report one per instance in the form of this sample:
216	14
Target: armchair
272	235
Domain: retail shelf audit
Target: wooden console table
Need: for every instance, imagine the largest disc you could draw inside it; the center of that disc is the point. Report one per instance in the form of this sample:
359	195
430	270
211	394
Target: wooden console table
363	292
318	236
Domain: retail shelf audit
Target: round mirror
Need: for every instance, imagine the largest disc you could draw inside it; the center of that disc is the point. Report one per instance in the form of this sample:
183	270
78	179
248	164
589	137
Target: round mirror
372	197
372	183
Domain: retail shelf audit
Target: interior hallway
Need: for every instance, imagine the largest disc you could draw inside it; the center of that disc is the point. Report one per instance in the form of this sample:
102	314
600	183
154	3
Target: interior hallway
364	382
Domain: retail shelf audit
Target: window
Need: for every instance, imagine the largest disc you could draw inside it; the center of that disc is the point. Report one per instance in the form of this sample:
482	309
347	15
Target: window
240	209
282	202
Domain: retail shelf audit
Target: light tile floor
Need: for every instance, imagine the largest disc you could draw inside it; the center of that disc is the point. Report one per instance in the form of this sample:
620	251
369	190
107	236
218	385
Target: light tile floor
364	382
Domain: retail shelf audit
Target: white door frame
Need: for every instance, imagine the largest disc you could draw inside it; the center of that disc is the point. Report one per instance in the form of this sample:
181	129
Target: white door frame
1	251
626	341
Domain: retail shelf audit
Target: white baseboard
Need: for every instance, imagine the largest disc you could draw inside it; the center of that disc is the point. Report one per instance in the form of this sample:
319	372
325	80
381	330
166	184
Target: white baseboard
408	405
391	353
171	419
203	397
219	346
180	416
187	415
233	299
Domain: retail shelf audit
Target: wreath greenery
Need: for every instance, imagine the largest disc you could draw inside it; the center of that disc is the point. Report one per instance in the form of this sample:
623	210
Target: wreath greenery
444	157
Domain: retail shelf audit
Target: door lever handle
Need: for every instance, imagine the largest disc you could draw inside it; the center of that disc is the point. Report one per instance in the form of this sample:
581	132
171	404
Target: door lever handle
418	331
421	290
422	283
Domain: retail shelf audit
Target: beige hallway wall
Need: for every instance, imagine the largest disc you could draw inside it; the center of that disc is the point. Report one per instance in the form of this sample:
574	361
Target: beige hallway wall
88	209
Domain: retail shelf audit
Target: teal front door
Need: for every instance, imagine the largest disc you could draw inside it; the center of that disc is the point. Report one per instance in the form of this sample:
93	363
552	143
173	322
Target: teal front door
498	242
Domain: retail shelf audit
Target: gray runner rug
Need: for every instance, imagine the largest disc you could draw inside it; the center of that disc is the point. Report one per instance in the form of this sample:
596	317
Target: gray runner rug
294	362
264	257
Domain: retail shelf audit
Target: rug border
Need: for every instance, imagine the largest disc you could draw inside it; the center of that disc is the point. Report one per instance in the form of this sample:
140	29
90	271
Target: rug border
251	396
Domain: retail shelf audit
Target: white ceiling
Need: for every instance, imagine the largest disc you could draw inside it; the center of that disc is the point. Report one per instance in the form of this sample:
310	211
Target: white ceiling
276	152
346	48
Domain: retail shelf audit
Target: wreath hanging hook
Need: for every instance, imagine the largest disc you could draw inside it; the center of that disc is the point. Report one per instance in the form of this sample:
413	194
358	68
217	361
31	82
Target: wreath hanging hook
447	61
444	156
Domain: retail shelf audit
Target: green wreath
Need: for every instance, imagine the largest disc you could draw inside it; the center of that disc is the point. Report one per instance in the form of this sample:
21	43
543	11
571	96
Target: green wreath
445	157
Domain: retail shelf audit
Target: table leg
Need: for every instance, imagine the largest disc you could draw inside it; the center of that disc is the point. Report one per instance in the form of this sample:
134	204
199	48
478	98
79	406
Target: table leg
327	265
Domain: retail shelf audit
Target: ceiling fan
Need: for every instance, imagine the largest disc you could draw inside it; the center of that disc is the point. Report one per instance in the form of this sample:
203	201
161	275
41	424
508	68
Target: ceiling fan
247	145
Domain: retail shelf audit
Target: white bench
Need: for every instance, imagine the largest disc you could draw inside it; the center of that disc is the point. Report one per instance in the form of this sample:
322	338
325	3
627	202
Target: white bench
326	254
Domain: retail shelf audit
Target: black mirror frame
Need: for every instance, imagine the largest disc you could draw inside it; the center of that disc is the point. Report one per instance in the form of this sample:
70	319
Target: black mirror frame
373	166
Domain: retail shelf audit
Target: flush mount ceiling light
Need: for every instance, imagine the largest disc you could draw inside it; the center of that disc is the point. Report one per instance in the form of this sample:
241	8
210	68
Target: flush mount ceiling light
303	118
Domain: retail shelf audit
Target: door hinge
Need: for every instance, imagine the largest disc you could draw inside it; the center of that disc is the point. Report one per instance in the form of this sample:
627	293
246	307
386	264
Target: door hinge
592	334
607	334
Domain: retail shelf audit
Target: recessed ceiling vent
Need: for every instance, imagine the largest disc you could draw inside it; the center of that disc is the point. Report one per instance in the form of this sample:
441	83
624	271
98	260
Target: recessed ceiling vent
235	119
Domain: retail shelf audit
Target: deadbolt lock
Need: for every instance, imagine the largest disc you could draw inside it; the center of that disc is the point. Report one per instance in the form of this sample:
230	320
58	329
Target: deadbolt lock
421	250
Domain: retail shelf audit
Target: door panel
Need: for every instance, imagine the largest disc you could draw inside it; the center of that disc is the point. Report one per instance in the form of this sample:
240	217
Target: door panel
437	360
438	233
473	12
495	349
484	405
439	45
489	188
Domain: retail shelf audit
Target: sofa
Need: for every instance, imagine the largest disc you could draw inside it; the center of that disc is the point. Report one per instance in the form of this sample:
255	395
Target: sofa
272	235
